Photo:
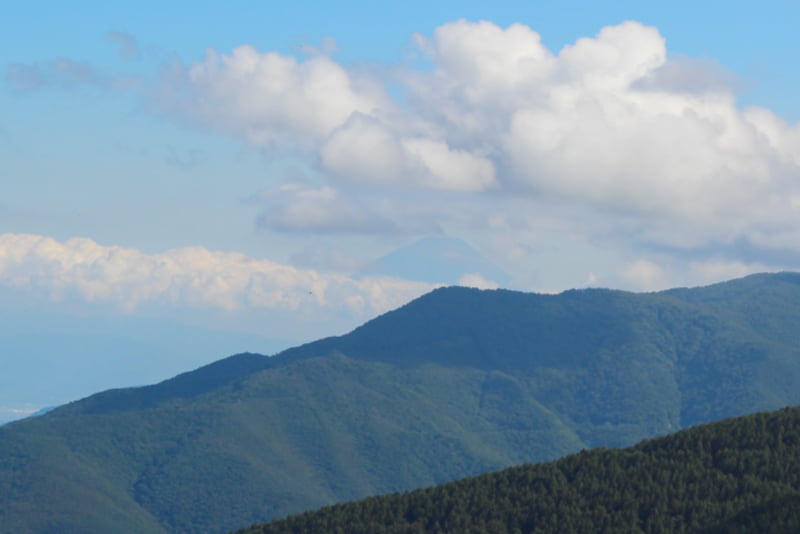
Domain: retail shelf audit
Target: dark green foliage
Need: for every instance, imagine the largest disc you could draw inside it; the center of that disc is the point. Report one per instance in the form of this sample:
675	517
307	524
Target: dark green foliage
741	475
780	515
456	383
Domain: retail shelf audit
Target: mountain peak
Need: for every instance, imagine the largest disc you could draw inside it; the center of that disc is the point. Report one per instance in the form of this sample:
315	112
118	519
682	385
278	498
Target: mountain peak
436	260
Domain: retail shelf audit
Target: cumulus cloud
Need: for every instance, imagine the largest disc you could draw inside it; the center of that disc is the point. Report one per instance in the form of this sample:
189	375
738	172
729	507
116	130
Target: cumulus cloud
192	277
268	99
345	117
684	74
366	151
609	122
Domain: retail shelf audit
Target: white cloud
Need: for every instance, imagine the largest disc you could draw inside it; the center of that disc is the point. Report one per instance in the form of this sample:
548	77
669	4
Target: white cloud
478	281
366	151
444	168
482	72
646	275
683	74
614	59
608	122
191	277
268	99
579	127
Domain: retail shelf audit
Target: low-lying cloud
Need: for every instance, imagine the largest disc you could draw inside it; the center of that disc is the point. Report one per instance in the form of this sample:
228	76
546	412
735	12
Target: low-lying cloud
191	277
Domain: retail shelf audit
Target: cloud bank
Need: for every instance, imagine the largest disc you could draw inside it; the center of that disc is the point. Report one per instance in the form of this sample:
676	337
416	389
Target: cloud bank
191	277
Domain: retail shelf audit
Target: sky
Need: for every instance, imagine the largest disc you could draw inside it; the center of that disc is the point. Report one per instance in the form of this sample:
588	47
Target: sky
186	180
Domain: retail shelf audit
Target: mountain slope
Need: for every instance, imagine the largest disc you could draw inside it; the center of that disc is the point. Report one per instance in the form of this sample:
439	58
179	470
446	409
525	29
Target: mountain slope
740	475
300	436
456	383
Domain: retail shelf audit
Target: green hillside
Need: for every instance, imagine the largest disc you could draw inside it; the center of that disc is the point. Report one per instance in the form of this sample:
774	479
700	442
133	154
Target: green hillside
740	475
456	383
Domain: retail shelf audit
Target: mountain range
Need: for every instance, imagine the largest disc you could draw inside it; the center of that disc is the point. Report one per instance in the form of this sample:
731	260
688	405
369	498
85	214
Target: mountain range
456	383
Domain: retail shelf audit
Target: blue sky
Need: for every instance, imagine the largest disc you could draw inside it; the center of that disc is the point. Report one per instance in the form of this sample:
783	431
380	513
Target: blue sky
231	171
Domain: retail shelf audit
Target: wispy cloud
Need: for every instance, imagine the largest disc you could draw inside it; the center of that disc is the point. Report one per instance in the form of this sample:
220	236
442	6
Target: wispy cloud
127	44
305	209
24	77
62	72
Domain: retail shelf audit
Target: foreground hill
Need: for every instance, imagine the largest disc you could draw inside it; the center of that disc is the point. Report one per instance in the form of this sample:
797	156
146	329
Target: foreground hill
456	383
740	475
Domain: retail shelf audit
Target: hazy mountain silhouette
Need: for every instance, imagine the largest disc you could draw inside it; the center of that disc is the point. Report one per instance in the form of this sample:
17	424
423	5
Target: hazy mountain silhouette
437	260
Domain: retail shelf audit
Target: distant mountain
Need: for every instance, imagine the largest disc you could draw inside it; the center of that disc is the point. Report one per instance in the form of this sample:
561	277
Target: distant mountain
437	260
456	383
737	476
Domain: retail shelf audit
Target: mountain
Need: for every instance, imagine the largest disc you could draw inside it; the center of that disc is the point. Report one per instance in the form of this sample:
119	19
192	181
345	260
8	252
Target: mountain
438	260
740	475
456	383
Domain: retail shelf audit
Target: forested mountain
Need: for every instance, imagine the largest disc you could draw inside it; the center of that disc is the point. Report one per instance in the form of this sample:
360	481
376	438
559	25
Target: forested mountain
740	475
456	383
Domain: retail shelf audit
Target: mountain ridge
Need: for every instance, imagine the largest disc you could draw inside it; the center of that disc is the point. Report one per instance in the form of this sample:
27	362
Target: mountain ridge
455	383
